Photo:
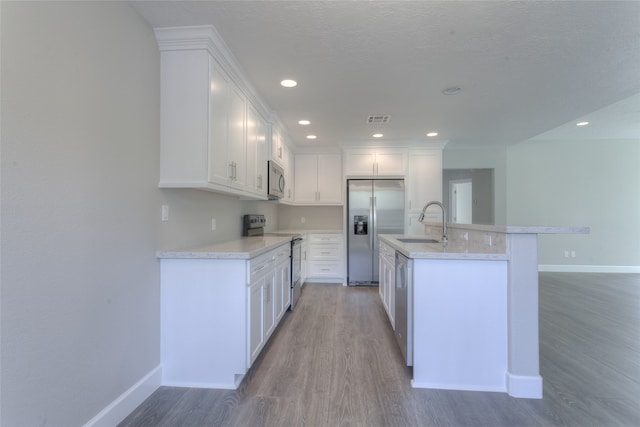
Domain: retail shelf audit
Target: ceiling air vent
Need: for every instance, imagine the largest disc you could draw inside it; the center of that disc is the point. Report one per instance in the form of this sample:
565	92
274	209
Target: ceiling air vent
378	119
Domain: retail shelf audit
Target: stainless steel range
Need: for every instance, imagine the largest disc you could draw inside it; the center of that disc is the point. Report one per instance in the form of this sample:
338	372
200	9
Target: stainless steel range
253	225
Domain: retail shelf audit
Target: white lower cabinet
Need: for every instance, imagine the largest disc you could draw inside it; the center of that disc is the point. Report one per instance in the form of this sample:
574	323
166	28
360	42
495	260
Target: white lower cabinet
216	315
387	288
282	282
326	258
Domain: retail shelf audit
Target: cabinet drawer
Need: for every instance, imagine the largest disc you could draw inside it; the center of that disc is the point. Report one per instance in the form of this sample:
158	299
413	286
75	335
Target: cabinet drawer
325	239
325	252
282	252
260	265
325	269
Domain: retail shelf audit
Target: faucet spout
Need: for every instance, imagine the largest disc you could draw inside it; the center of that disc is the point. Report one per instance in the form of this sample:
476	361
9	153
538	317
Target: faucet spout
445	239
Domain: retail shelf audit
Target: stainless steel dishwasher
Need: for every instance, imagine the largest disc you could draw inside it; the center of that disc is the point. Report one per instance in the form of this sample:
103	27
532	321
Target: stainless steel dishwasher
404	306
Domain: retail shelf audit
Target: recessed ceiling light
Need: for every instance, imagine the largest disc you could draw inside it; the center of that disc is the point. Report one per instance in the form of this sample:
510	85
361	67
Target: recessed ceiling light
311	137
582	123
304	122
432	134
289	83
453	90
378	135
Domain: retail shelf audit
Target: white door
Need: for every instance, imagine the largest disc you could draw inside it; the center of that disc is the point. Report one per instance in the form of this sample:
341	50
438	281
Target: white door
461	201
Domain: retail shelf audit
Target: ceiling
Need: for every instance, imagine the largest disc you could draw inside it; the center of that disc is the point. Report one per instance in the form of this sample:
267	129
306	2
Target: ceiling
525	68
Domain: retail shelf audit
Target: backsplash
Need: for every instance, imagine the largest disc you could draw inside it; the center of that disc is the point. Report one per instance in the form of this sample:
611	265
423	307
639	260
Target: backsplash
474	240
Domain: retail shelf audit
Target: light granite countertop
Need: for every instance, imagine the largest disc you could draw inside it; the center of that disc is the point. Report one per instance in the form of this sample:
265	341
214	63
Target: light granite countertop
450	250
300	231
243	248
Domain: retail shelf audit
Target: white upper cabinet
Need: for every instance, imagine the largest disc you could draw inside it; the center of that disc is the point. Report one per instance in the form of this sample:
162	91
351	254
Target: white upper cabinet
205	140
256	151
375	162
318	179
277	146
424	184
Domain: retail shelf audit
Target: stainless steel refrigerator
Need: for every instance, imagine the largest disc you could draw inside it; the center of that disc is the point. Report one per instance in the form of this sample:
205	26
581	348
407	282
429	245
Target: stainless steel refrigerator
375	206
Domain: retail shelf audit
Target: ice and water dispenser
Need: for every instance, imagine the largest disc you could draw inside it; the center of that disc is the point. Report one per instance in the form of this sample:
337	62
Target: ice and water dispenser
361	225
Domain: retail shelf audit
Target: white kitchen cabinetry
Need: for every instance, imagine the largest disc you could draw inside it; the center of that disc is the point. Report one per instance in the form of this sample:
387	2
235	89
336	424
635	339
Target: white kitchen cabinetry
424	184
261	303
256	151
203	120
283	281
216	315
277	146
387	289
375	162
326	258
318	179
289	180
281	154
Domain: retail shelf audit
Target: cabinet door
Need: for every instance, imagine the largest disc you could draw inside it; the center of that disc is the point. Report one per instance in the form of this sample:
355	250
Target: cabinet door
391	162
359	162
219	169
329	178
391	291
255	304
425	181
237	139
256	152
268	306
276	146
306	177
289	180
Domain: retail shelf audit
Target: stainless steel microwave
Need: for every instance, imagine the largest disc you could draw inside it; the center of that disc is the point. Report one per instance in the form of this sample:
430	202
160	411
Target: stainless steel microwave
276	180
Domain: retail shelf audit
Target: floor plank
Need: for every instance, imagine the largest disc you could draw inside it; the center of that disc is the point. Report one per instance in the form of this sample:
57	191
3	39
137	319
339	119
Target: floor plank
334	361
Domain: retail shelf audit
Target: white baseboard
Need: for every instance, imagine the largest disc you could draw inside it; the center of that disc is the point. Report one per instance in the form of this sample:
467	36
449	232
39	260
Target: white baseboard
524	386
118	410
589	268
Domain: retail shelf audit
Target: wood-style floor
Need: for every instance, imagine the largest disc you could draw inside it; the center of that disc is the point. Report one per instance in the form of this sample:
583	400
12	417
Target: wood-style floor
334	362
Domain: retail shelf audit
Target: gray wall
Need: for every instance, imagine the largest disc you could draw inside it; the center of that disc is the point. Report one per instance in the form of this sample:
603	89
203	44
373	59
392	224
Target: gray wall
592	183
191	212
79	209
316	217
482	192
491	158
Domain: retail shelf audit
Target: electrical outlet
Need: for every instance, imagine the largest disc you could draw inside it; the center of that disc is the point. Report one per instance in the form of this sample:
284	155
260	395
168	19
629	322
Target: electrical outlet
213	224
573	254
165	212
303	220
566	254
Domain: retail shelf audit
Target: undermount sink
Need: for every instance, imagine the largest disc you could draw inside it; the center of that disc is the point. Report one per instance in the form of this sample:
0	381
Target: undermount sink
416	240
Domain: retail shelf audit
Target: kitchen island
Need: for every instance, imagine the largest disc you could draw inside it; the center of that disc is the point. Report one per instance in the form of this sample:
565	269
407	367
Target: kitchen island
474	307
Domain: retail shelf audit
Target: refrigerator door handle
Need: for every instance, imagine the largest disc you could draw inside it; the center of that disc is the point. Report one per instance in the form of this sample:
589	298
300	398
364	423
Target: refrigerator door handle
374	220
371	223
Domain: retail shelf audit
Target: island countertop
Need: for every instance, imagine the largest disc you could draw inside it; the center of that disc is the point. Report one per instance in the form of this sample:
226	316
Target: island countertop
469	241
450	250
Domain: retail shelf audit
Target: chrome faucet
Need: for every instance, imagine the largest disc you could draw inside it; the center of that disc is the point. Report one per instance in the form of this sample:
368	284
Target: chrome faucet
445	239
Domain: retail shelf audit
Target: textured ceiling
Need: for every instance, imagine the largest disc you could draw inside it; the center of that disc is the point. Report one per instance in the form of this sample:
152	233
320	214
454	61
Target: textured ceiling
525	67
